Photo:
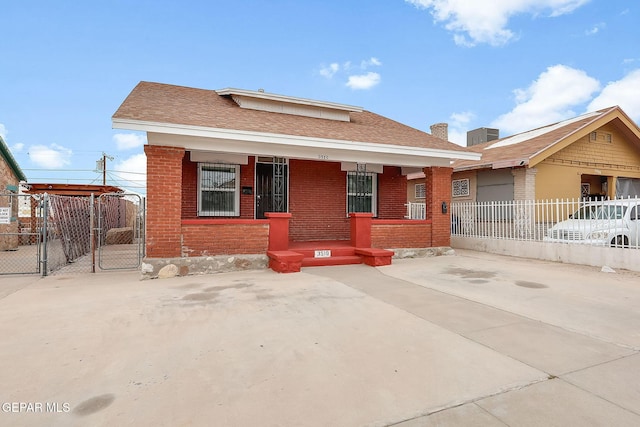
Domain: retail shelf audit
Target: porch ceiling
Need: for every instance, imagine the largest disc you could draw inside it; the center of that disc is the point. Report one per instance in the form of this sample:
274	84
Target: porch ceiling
258	143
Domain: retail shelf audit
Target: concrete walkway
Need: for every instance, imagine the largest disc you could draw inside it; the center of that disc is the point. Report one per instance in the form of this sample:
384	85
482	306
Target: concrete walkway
471	339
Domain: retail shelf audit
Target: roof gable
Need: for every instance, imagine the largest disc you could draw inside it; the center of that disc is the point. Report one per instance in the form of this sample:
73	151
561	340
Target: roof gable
531	147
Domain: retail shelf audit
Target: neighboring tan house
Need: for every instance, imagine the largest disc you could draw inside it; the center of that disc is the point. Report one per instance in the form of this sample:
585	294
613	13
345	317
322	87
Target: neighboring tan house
307	182
10	177
594	155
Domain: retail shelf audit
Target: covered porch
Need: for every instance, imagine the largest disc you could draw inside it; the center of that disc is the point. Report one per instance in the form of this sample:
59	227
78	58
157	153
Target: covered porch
314	223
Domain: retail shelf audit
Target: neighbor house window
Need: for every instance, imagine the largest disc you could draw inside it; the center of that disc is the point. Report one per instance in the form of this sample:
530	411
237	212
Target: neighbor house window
361	192
421	192
218	189
460	187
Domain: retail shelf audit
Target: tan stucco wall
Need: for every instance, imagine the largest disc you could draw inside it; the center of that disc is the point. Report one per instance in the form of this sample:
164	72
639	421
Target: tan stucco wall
473	185
560	175
411	190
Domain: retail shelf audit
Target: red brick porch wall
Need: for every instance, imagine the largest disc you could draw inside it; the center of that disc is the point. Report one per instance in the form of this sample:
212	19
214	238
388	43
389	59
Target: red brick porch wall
400	234
203	237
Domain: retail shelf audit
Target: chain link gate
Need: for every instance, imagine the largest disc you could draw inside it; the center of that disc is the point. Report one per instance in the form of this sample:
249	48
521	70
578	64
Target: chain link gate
70	234
20	241
120	231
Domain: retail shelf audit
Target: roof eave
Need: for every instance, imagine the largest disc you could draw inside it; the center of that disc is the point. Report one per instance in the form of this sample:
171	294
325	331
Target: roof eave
290	140
11	161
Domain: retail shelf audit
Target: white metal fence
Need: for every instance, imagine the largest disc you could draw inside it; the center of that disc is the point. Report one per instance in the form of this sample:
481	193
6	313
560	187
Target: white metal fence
613	223
416	210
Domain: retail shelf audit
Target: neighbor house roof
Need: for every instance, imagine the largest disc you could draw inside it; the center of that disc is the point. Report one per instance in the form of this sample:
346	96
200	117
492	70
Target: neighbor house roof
11	161
163	108
531	147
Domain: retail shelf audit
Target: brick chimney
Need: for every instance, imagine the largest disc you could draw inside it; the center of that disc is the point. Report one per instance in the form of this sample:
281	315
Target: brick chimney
440	130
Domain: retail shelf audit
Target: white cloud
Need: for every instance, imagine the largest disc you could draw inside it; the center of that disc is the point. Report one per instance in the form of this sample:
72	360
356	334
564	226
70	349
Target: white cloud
127	141
131	173
52	157
624	92
354	81
595	29
474	22
3	131
17	148
364	81
548	99
330	70
373	61
458	126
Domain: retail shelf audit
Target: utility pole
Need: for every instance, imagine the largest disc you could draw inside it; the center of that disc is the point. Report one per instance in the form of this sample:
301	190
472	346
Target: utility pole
102	165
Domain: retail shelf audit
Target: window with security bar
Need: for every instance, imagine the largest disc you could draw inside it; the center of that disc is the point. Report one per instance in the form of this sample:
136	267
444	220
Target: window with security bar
218	189
362	192
420	191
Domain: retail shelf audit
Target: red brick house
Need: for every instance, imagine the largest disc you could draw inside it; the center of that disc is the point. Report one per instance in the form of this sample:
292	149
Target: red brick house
233	172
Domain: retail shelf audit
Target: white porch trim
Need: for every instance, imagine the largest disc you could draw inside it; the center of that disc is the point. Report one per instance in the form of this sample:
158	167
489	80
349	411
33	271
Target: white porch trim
260	143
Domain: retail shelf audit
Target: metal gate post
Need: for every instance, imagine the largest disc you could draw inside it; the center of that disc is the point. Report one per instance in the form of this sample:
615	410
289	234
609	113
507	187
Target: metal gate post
92	242
45	216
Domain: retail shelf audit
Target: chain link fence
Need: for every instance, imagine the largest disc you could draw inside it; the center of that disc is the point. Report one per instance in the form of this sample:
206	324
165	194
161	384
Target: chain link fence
53	234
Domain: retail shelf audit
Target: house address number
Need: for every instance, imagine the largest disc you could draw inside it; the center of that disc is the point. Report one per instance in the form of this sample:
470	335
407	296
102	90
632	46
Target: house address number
323	156
324	253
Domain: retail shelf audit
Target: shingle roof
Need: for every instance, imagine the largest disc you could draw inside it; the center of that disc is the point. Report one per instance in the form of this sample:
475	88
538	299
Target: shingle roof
163	103
519	149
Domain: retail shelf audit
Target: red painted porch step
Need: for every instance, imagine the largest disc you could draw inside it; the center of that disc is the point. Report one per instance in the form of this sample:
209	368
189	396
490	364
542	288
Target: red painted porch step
302	254
342	253
332	260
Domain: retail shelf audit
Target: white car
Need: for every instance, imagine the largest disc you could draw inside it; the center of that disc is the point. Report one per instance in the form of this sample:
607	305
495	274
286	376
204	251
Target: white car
613	223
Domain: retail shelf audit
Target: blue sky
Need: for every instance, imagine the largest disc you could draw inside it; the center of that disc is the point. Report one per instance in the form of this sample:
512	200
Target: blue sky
515	65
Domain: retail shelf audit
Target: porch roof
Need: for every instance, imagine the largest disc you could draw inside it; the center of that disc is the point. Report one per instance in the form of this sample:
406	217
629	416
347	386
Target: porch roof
207	120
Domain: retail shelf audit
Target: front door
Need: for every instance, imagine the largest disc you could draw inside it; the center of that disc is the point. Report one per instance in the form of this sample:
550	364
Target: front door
271	185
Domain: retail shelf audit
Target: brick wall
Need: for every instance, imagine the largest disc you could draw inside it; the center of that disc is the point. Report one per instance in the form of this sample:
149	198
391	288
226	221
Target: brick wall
247	179
190	189
8	178
438	186
318	197
392	191
317	201
524	183
391	234
224	236
164	200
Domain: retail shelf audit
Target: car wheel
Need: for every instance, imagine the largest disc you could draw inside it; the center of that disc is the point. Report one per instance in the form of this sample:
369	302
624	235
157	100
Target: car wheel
620	242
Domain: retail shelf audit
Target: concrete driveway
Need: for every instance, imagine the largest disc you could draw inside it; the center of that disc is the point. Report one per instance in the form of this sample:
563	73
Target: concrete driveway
470	339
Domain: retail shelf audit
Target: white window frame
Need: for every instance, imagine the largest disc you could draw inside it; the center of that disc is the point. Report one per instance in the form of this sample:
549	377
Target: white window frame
236	190
374	189
422	194
460	185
